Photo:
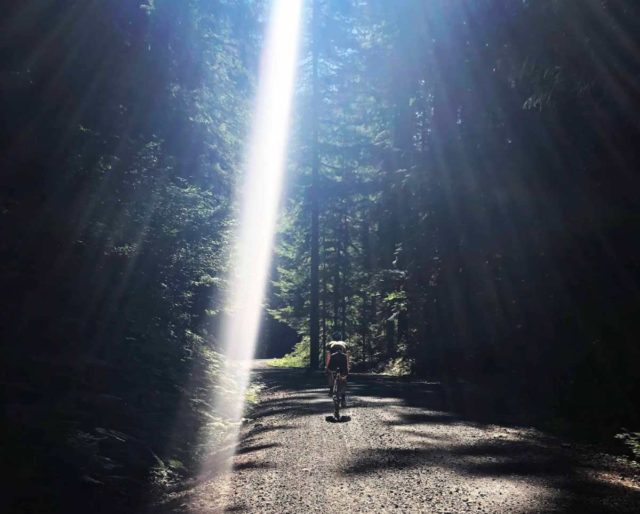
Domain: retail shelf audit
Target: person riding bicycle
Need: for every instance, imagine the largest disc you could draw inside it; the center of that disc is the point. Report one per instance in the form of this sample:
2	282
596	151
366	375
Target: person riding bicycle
338	365
336	337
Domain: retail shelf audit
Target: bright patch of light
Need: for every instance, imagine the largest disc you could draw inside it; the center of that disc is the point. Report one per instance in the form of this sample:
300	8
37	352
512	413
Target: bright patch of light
258	200
260	194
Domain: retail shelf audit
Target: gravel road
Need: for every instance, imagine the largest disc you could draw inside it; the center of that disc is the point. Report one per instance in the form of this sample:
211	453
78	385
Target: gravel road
403	451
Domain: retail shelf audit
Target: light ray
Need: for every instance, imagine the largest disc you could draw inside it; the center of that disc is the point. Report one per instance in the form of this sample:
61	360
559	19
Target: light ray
260	193
258	201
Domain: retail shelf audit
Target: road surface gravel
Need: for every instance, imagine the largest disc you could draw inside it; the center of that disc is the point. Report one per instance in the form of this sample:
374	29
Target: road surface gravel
403	451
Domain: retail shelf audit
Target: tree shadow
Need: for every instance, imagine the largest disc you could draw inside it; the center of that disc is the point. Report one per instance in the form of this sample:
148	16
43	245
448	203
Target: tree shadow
259	428
256	447
236	508
570	476
529	457
423	418
303	394
373	461
253	465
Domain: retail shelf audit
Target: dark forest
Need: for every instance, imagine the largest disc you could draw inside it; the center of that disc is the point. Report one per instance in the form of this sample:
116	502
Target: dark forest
460	205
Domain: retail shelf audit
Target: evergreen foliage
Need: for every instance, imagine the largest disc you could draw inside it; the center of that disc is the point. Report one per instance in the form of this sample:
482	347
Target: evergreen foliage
122	128
477	216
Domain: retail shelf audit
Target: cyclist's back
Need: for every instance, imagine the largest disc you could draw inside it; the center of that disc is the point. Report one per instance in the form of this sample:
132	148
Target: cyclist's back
338	362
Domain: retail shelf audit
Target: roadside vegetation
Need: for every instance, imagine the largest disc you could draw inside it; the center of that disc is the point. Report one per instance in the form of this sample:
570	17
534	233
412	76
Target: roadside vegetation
472	167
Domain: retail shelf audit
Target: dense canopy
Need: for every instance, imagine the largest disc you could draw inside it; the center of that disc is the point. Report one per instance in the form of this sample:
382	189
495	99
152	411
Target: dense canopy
472	167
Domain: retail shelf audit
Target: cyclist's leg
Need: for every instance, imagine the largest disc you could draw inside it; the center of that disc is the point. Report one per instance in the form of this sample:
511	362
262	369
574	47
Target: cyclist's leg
343	389
336	395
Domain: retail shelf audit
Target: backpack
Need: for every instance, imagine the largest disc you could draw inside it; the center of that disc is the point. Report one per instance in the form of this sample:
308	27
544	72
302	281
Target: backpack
338	362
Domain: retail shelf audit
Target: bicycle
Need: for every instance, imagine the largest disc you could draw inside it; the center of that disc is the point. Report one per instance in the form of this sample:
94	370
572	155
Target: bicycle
336	392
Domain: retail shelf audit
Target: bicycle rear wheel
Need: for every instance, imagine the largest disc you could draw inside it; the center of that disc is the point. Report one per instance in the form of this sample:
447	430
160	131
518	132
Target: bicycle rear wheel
336	397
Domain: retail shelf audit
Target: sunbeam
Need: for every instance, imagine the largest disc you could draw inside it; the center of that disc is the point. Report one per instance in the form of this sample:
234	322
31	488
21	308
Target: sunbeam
260	191
258	200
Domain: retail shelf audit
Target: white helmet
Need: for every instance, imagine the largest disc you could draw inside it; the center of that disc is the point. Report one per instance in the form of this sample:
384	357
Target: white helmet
338	345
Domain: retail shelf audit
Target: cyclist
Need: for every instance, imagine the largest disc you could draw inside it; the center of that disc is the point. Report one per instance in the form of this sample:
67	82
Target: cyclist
336	337
338	362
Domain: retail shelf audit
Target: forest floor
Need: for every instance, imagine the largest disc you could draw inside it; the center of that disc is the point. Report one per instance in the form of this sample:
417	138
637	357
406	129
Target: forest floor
402	450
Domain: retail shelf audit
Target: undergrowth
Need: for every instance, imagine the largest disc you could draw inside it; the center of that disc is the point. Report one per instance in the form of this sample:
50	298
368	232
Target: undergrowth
298	358
398	367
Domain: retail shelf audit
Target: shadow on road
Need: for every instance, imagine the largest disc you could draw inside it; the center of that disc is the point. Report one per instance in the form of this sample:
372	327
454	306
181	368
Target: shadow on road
437	430
574	473
342	419
458	402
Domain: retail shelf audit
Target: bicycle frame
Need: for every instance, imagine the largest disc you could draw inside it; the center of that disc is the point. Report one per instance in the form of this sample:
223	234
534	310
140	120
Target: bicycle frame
337	378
